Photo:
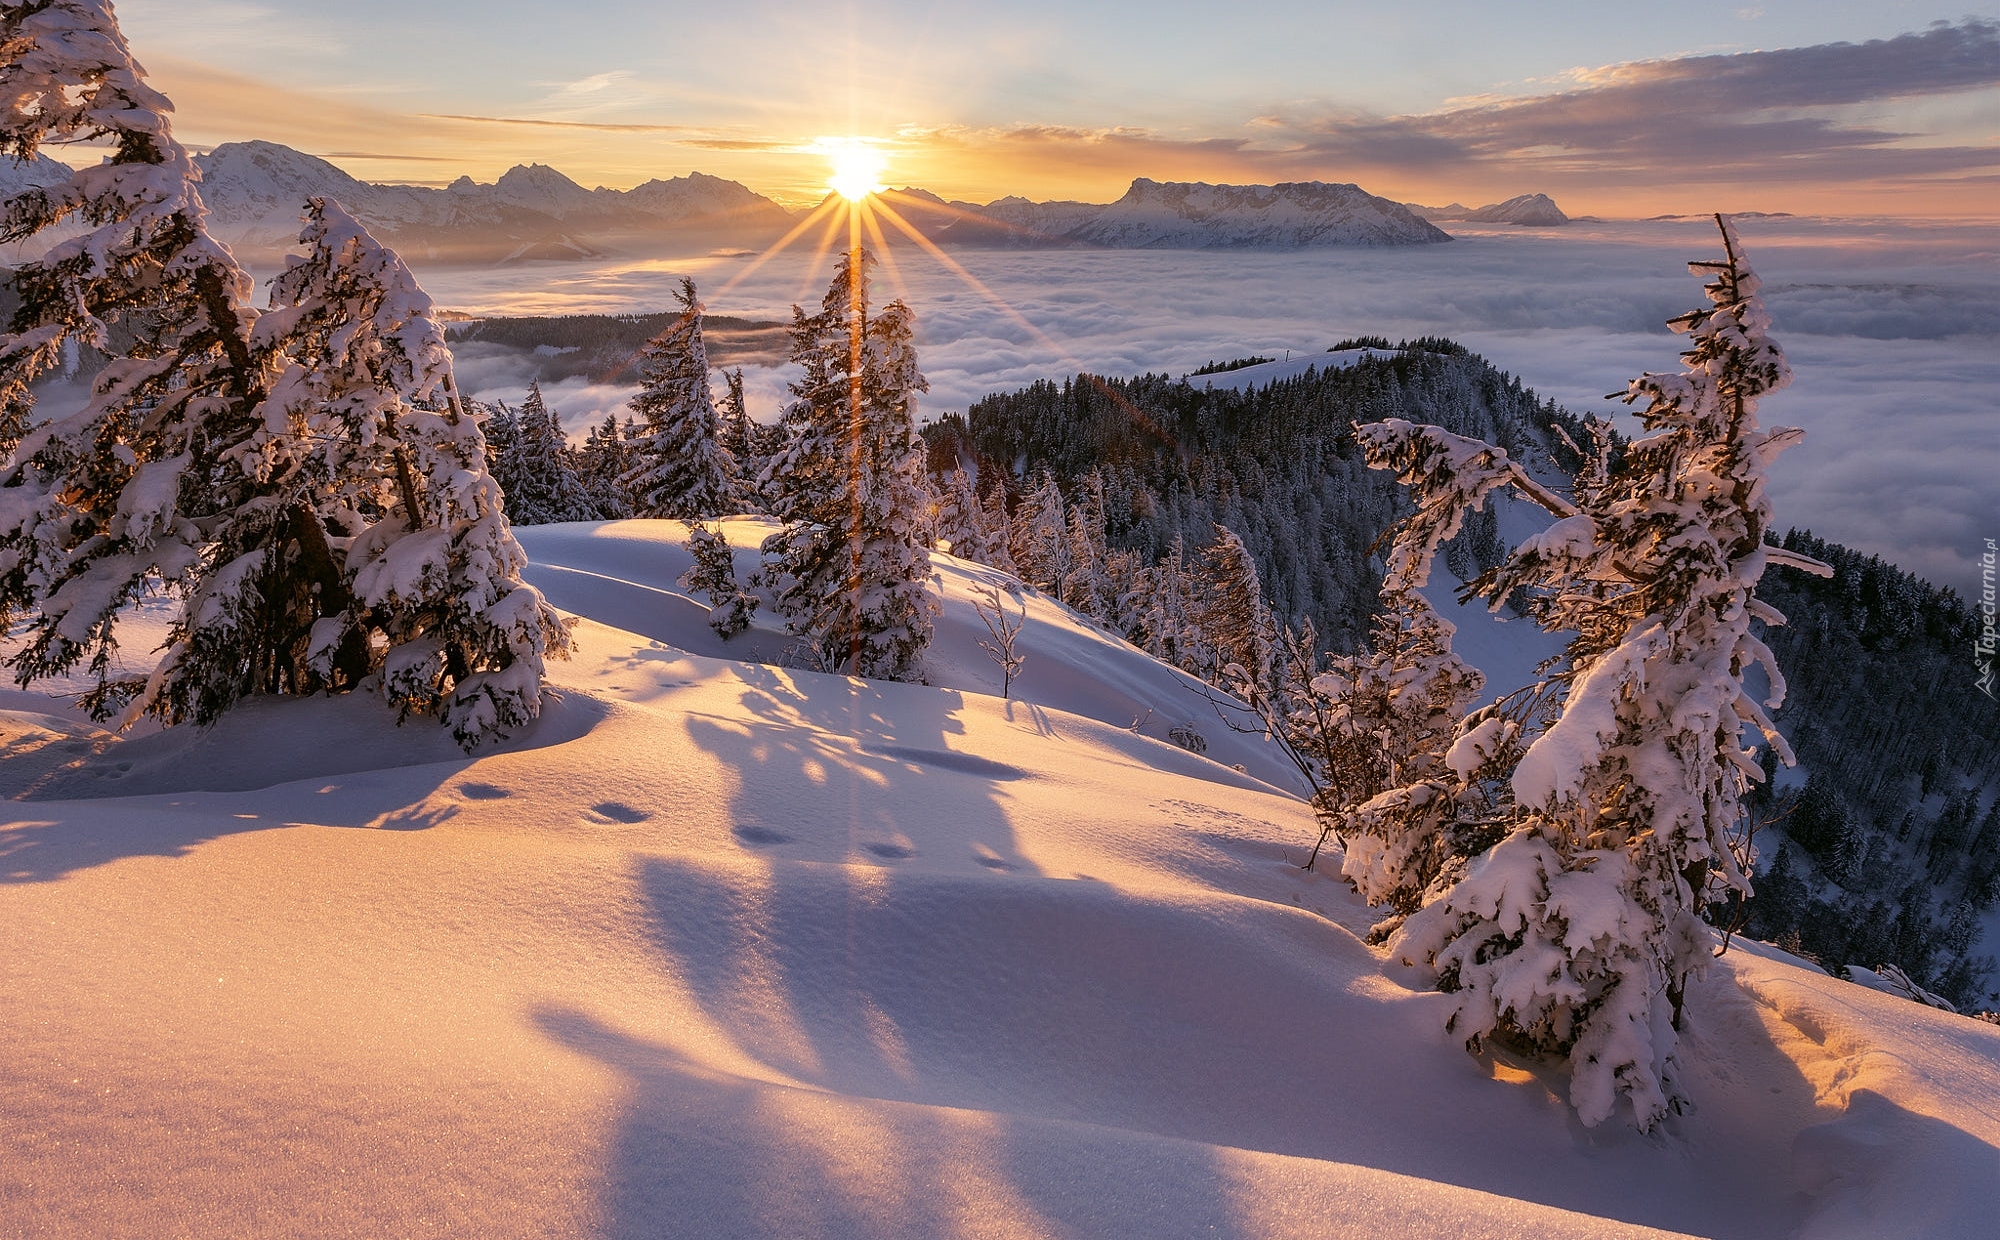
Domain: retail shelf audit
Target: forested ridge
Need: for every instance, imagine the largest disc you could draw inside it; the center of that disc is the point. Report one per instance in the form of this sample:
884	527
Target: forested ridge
1894	850
1278	464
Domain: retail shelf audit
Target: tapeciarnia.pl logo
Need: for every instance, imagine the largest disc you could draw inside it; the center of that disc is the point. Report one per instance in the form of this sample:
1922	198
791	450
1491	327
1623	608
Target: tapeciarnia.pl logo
1989	639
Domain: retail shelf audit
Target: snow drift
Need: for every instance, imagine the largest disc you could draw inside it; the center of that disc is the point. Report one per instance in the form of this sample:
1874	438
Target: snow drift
721	948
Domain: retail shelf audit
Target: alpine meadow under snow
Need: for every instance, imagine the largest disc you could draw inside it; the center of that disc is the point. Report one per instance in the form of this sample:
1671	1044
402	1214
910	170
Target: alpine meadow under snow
845	826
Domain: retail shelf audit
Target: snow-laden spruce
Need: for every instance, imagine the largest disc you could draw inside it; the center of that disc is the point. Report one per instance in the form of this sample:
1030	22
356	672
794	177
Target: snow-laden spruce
965	526
714	574
438	608
539	467
241	464
98	506
682	470
1235	617
850	572
1577	932
1390	713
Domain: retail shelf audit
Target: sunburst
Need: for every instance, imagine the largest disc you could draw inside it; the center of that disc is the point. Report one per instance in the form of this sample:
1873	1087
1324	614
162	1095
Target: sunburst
857	166
855	213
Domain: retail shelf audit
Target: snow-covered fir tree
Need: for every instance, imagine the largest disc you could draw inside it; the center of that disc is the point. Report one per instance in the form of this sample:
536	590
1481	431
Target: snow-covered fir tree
850	572
156	481
998	527
1166	603
90	515
239	462
364	392
1088	590
502	427
603	462
714	574
1577	932
544	485
964	522
742	438
1408	799
681	468
958	525
1235	618
1043	554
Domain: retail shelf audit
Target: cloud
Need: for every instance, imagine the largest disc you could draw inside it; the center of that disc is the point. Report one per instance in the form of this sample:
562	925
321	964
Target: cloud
1806	122
1894	332
1784	116
544	122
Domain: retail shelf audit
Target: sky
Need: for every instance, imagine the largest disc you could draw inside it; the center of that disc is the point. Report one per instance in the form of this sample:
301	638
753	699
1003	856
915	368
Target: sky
1887	107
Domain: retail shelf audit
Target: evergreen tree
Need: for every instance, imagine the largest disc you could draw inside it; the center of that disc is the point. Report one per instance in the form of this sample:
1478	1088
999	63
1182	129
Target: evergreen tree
849	571
1169	623
714	574
746	442
1577	931
437	606
269	472
503	430
738	432
1235	619
999	528
546	487
963	522
105	502
1044	556
1087	588
603	462
1410	800
683	471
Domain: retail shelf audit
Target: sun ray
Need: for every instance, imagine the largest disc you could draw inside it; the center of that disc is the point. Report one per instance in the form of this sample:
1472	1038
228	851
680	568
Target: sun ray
831	212
866	209
1020	232
774	250
1000	303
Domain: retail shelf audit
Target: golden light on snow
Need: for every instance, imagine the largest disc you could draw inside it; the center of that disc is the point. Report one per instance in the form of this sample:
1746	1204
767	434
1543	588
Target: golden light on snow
857	166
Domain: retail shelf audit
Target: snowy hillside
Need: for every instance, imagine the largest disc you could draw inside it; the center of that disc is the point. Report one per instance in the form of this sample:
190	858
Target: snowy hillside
722	949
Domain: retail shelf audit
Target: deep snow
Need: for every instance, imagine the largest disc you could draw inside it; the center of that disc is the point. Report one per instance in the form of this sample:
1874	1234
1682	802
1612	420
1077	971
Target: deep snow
718	948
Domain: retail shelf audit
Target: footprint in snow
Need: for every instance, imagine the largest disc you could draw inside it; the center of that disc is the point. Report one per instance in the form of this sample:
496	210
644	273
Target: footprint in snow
483	792
761	835
890	852
618	812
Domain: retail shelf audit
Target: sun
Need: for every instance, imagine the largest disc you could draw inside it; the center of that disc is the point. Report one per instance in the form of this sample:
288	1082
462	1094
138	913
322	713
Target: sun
857	167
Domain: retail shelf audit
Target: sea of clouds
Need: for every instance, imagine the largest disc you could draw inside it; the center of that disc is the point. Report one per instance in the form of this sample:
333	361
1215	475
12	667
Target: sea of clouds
1892	327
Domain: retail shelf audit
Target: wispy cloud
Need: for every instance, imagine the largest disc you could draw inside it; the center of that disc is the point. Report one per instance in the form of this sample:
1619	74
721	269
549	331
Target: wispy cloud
605	126
1775	116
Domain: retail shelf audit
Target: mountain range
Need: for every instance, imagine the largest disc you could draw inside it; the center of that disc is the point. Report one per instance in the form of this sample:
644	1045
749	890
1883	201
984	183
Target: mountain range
1179	215
254	191
1528	210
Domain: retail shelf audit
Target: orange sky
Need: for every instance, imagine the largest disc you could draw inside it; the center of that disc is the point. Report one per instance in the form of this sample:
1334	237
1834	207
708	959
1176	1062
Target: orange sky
1902	125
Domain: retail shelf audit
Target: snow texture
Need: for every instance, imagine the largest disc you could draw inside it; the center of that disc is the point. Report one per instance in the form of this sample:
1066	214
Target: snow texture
719	949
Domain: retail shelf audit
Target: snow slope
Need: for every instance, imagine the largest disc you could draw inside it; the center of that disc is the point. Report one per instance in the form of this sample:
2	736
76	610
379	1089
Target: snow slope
1263	374
721	949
